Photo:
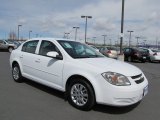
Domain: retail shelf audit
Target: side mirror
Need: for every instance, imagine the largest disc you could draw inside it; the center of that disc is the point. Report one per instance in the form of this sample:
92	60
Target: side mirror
54	54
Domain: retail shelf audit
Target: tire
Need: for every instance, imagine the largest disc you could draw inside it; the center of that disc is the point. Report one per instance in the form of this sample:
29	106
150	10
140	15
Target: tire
125	59
129	59
143	61
10	49
16	73
81	94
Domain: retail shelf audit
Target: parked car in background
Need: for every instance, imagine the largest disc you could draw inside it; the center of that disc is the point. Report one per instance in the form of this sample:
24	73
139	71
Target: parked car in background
132	54
7	45
85	75
94	47
110	52
17	44
154	55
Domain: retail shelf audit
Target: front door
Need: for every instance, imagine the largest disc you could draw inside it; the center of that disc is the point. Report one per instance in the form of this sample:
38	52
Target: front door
49	69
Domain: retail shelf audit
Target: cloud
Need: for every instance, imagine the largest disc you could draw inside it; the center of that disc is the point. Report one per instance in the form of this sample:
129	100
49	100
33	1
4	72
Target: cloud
104	25
54	17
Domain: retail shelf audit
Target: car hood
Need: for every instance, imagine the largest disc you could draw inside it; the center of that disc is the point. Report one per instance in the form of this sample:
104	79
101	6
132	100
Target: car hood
112	65
11	44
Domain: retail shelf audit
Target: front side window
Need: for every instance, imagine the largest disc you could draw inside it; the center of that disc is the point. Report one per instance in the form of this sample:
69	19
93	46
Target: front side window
47	46
79	50
30	46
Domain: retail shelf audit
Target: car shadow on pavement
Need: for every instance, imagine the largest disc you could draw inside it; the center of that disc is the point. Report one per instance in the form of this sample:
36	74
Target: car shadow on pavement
3	50
97	107
45	88
114	110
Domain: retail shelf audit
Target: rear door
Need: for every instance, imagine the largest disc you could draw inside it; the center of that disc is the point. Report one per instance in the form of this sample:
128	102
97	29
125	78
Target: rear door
28	58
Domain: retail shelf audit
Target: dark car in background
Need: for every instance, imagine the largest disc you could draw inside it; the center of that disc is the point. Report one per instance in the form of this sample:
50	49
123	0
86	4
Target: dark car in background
132	54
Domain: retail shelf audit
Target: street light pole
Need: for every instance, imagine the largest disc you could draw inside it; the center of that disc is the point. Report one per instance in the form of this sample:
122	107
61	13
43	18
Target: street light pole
137	40
18	31
104	38
30	33
76	32
86	25
130	31
94	38
110	43
122	25
67	35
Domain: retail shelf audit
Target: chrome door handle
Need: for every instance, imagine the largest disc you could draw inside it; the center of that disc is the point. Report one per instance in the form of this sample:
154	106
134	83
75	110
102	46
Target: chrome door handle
21	56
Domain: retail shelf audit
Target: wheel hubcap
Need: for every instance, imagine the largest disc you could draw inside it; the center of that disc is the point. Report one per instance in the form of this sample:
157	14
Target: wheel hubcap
79	94
16	73
10	49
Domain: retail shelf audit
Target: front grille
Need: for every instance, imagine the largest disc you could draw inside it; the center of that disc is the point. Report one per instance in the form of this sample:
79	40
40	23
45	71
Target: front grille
137	76
140	80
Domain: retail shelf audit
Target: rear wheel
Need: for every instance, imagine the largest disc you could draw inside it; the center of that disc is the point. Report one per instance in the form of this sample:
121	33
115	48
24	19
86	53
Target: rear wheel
16	73
81	94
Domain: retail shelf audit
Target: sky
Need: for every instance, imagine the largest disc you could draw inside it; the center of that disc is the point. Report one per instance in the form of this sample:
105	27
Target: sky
53	18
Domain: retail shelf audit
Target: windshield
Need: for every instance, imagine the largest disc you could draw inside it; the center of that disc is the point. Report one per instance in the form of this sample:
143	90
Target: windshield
10	42
79	50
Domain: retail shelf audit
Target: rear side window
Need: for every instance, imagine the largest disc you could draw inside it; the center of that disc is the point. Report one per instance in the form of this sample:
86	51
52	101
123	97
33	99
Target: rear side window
30	46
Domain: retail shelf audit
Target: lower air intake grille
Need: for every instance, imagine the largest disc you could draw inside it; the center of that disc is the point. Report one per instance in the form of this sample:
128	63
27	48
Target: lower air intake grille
140	80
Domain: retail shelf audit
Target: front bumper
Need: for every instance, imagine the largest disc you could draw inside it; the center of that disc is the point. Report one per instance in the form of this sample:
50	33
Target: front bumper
121	95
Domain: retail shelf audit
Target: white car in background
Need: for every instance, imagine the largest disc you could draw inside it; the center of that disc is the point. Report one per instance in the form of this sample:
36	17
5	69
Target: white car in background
86	76
94	47
7	45
110	52
154	55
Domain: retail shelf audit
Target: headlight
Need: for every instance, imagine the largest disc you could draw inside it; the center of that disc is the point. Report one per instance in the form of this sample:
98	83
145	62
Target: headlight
116	79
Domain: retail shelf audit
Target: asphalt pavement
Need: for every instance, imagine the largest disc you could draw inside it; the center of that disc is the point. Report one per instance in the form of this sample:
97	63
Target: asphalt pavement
32	101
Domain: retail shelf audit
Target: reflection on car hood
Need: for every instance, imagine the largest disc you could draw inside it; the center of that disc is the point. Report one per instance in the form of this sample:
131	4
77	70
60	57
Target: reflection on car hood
108	64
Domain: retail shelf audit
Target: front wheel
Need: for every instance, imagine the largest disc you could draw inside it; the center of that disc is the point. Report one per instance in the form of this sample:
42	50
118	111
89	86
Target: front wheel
81	94
10	49
16	73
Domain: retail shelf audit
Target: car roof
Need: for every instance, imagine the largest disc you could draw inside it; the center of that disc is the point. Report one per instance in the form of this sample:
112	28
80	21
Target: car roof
51	39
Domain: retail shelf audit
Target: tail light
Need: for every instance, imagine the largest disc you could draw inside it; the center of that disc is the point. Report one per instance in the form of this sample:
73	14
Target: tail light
137	54
155	54
108	51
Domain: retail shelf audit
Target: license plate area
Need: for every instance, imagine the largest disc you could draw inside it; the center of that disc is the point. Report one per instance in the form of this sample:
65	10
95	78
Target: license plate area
145	91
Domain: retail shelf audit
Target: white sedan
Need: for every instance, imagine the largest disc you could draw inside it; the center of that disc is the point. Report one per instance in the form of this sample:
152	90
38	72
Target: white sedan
86	76
154	55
